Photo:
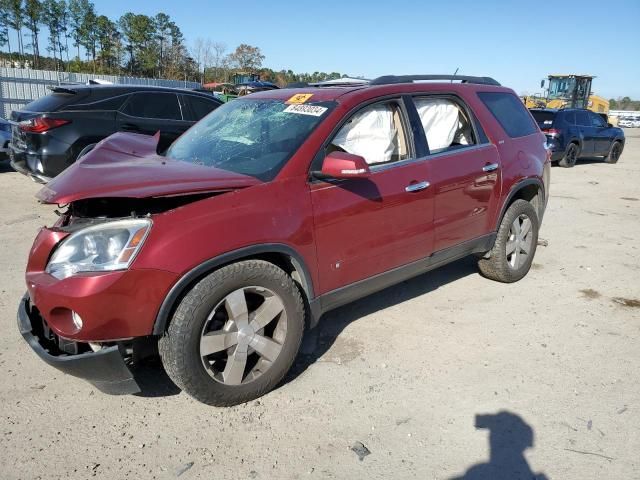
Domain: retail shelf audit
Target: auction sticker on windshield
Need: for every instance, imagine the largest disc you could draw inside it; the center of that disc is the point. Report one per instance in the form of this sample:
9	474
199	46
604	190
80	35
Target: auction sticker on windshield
312	110
299	98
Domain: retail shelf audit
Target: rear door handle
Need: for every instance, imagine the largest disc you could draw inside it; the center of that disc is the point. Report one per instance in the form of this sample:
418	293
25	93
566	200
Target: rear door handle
491	167
416	187
130	127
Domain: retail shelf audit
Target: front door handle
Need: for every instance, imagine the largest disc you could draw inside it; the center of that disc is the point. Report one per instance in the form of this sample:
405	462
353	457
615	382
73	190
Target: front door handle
490	167
416	187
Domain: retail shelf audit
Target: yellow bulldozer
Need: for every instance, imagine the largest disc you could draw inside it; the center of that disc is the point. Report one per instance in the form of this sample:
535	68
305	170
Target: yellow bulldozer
568	91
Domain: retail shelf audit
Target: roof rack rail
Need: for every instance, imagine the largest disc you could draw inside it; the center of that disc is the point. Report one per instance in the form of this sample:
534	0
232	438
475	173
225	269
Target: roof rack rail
394	79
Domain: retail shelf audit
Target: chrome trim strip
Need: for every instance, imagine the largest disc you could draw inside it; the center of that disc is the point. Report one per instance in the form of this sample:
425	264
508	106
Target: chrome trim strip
385	166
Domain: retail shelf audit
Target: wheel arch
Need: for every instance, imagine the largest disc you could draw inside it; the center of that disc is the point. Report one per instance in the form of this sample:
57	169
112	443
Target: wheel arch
281	255
529	189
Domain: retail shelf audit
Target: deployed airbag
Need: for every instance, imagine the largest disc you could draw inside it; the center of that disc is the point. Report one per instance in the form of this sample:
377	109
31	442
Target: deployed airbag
440	120
370	134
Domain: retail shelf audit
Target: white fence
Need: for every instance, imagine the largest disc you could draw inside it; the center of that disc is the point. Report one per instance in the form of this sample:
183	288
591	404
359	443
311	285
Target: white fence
19	86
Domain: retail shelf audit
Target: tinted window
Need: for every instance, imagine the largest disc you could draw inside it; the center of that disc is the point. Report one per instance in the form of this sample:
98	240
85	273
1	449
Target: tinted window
200	107
445	124
597	120
113	103
510	113
53	102
154	105
543	118
582	118
252	137
570	118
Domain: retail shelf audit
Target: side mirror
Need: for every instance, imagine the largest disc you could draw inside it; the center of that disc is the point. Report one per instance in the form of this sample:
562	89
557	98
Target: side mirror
541	83
343	165
609	125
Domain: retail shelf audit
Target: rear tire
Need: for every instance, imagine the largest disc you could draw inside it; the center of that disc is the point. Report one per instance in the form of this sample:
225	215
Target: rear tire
235	334
570	157
614	152
515	246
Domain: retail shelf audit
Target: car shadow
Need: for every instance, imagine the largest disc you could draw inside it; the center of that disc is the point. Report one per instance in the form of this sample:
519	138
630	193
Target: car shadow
509	437
584	161
320	339
5	166
153	379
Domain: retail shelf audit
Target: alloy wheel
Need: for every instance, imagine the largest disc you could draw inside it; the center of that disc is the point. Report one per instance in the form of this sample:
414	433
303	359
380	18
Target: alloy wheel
520	241
243	335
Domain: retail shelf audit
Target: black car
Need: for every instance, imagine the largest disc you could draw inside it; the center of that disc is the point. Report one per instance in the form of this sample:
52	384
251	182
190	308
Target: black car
574	133
51	133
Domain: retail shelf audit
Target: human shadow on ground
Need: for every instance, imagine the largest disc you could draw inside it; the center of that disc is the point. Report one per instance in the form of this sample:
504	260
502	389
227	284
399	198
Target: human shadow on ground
320	339
509	437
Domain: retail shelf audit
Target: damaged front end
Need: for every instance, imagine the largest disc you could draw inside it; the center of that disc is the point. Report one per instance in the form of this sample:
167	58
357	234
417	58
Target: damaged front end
103	365
88	311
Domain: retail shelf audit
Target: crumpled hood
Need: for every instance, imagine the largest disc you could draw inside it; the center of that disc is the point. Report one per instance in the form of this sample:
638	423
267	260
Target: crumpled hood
127	165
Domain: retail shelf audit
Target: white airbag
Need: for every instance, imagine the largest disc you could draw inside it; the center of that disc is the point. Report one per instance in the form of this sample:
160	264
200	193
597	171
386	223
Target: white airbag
440	120
370	134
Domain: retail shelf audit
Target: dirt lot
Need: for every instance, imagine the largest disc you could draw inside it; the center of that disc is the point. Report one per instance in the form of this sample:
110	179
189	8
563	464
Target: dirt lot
405	372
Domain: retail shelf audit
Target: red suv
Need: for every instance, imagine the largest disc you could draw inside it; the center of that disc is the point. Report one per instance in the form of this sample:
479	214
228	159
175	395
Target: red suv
273	209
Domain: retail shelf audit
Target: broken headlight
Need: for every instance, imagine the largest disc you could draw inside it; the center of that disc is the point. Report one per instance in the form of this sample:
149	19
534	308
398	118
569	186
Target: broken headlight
100	248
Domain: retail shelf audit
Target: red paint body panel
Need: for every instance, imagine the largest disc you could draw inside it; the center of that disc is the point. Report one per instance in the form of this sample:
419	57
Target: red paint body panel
344	231
364	227
466	197
112	305
126	165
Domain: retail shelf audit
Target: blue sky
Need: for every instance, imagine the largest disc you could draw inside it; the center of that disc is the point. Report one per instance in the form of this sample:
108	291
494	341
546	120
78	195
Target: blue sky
517	42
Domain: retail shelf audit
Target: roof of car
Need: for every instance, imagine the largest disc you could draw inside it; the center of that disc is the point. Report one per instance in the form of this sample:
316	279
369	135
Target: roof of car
120	88
344	92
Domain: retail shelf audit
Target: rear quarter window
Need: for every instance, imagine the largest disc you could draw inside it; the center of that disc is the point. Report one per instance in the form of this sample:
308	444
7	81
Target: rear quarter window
510	113
53	102
200	107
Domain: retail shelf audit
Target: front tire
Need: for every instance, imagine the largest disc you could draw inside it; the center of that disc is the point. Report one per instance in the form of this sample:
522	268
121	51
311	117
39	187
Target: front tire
570	157
515	246
614	152
235	334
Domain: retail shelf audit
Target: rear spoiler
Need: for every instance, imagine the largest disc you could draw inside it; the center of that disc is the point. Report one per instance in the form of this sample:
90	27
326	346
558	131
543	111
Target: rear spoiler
57	89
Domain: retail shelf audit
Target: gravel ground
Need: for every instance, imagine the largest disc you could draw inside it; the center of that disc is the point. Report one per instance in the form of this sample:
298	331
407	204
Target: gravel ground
442	376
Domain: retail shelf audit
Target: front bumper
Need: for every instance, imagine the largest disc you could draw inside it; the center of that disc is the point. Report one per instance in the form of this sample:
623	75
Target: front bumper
105	369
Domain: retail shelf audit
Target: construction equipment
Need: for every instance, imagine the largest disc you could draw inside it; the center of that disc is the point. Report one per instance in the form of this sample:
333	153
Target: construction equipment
568	91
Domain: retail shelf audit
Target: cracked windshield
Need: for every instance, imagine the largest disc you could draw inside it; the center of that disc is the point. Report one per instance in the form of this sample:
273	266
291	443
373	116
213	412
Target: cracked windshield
252	137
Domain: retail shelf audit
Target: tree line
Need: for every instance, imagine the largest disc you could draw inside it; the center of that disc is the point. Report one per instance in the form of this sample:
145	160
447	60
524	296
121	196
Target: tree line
79	39
624	103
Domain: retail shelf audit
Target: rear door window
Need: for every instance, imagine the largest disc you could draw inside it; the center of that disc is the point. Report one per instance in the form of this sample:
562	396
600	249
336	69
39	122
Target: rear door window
199	107
597	120
159	105
445	123
582	119
510	112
